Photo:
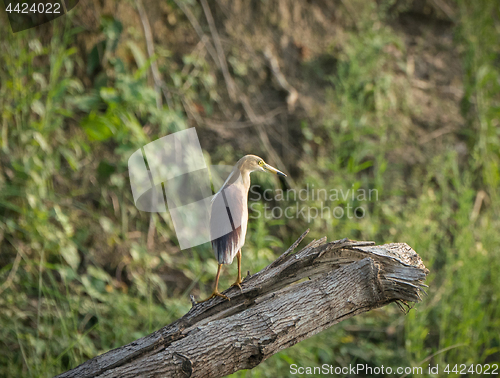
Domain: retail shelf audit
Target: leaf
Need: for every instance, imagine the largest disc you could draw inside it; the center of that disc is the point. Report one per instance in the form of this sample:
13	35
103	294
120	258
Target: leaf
86	103
132	124
98	273
97	127
41	141
64	220
38	108
363	166
139	57
105	170
70	254
112	29
95	56
70	158
109	95
106	224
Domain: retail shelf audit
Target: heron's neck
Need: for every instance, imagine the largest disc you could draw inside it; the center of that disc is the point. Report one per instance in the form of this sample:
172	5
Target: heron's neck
246	180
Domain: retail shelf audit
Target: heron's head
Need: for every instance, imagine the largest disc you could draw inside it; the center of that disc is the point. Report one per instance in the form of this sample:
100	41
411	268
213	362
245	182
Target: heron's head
252	163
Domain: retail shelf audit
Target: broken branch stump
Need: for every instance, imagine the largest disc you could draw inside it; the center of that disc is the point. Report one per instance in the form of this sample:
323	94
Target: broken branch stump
218	337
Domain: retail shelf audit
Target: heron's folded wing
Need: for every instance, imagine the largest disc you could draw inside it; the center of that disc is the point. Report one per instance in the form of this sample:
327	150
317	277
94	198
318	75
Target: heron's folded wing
225	222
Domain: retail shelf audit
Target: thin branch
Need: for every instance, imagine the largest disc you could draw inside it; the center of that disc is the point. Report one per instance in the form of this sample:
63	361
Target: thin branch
196	26
160	87
480	198
351	12
264	119
231	87
148	34
445	8
436	134
12	273
293	95
435	354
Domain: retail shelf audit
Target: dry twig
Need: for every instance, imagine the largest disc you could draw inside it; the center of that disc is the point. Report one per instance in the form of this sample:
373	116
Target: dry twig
159	84
293	95
230	85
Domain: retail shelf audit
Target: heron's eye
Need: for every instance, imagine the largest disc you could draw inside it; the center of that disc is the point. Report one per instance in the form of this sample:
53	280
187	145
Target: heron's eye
261	163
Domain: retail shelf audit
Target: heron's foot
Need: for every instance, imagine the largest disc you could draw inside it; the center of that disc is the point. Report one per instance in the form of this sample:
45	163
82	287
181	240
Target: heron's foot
215	293
238	283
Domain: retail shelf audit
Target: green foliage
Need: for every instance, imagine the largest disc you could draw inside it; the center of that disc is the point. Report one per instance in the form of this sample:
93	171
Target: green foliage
463	312
61	304
77	274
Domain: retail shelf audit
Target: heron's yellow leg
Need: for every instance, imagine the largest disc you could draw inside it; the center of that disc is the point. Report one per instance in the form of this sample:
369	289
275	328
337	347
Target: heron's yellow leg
216	293
238	280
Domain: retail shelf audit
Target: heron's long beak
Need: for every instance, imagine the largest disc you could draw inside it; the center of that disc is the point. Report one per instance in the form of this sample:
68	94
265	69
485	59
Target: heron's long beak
268	168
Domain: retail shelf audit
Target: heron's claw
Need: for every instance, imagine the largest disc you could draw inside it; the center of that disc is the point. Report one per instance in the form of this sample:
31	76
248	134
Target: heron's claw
237	283
215	293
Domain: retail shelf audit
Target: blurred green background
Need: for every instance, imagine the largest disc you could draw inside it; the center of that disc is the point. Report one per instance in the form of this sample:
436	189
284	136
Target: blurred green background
398	96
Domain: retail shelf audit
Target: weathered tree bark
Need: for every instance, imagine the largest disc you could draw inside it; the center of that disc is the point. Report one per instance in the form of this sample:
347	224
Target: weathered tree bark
219	337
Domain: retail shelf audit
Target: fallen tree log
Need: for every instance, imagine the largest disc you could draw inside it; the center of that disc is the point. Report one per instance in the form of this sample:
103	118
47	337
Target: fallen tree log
273	311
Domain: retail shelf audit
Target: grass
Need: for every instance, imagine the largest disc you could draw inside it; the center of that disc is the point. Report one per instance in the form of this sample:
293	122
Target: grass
76	279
